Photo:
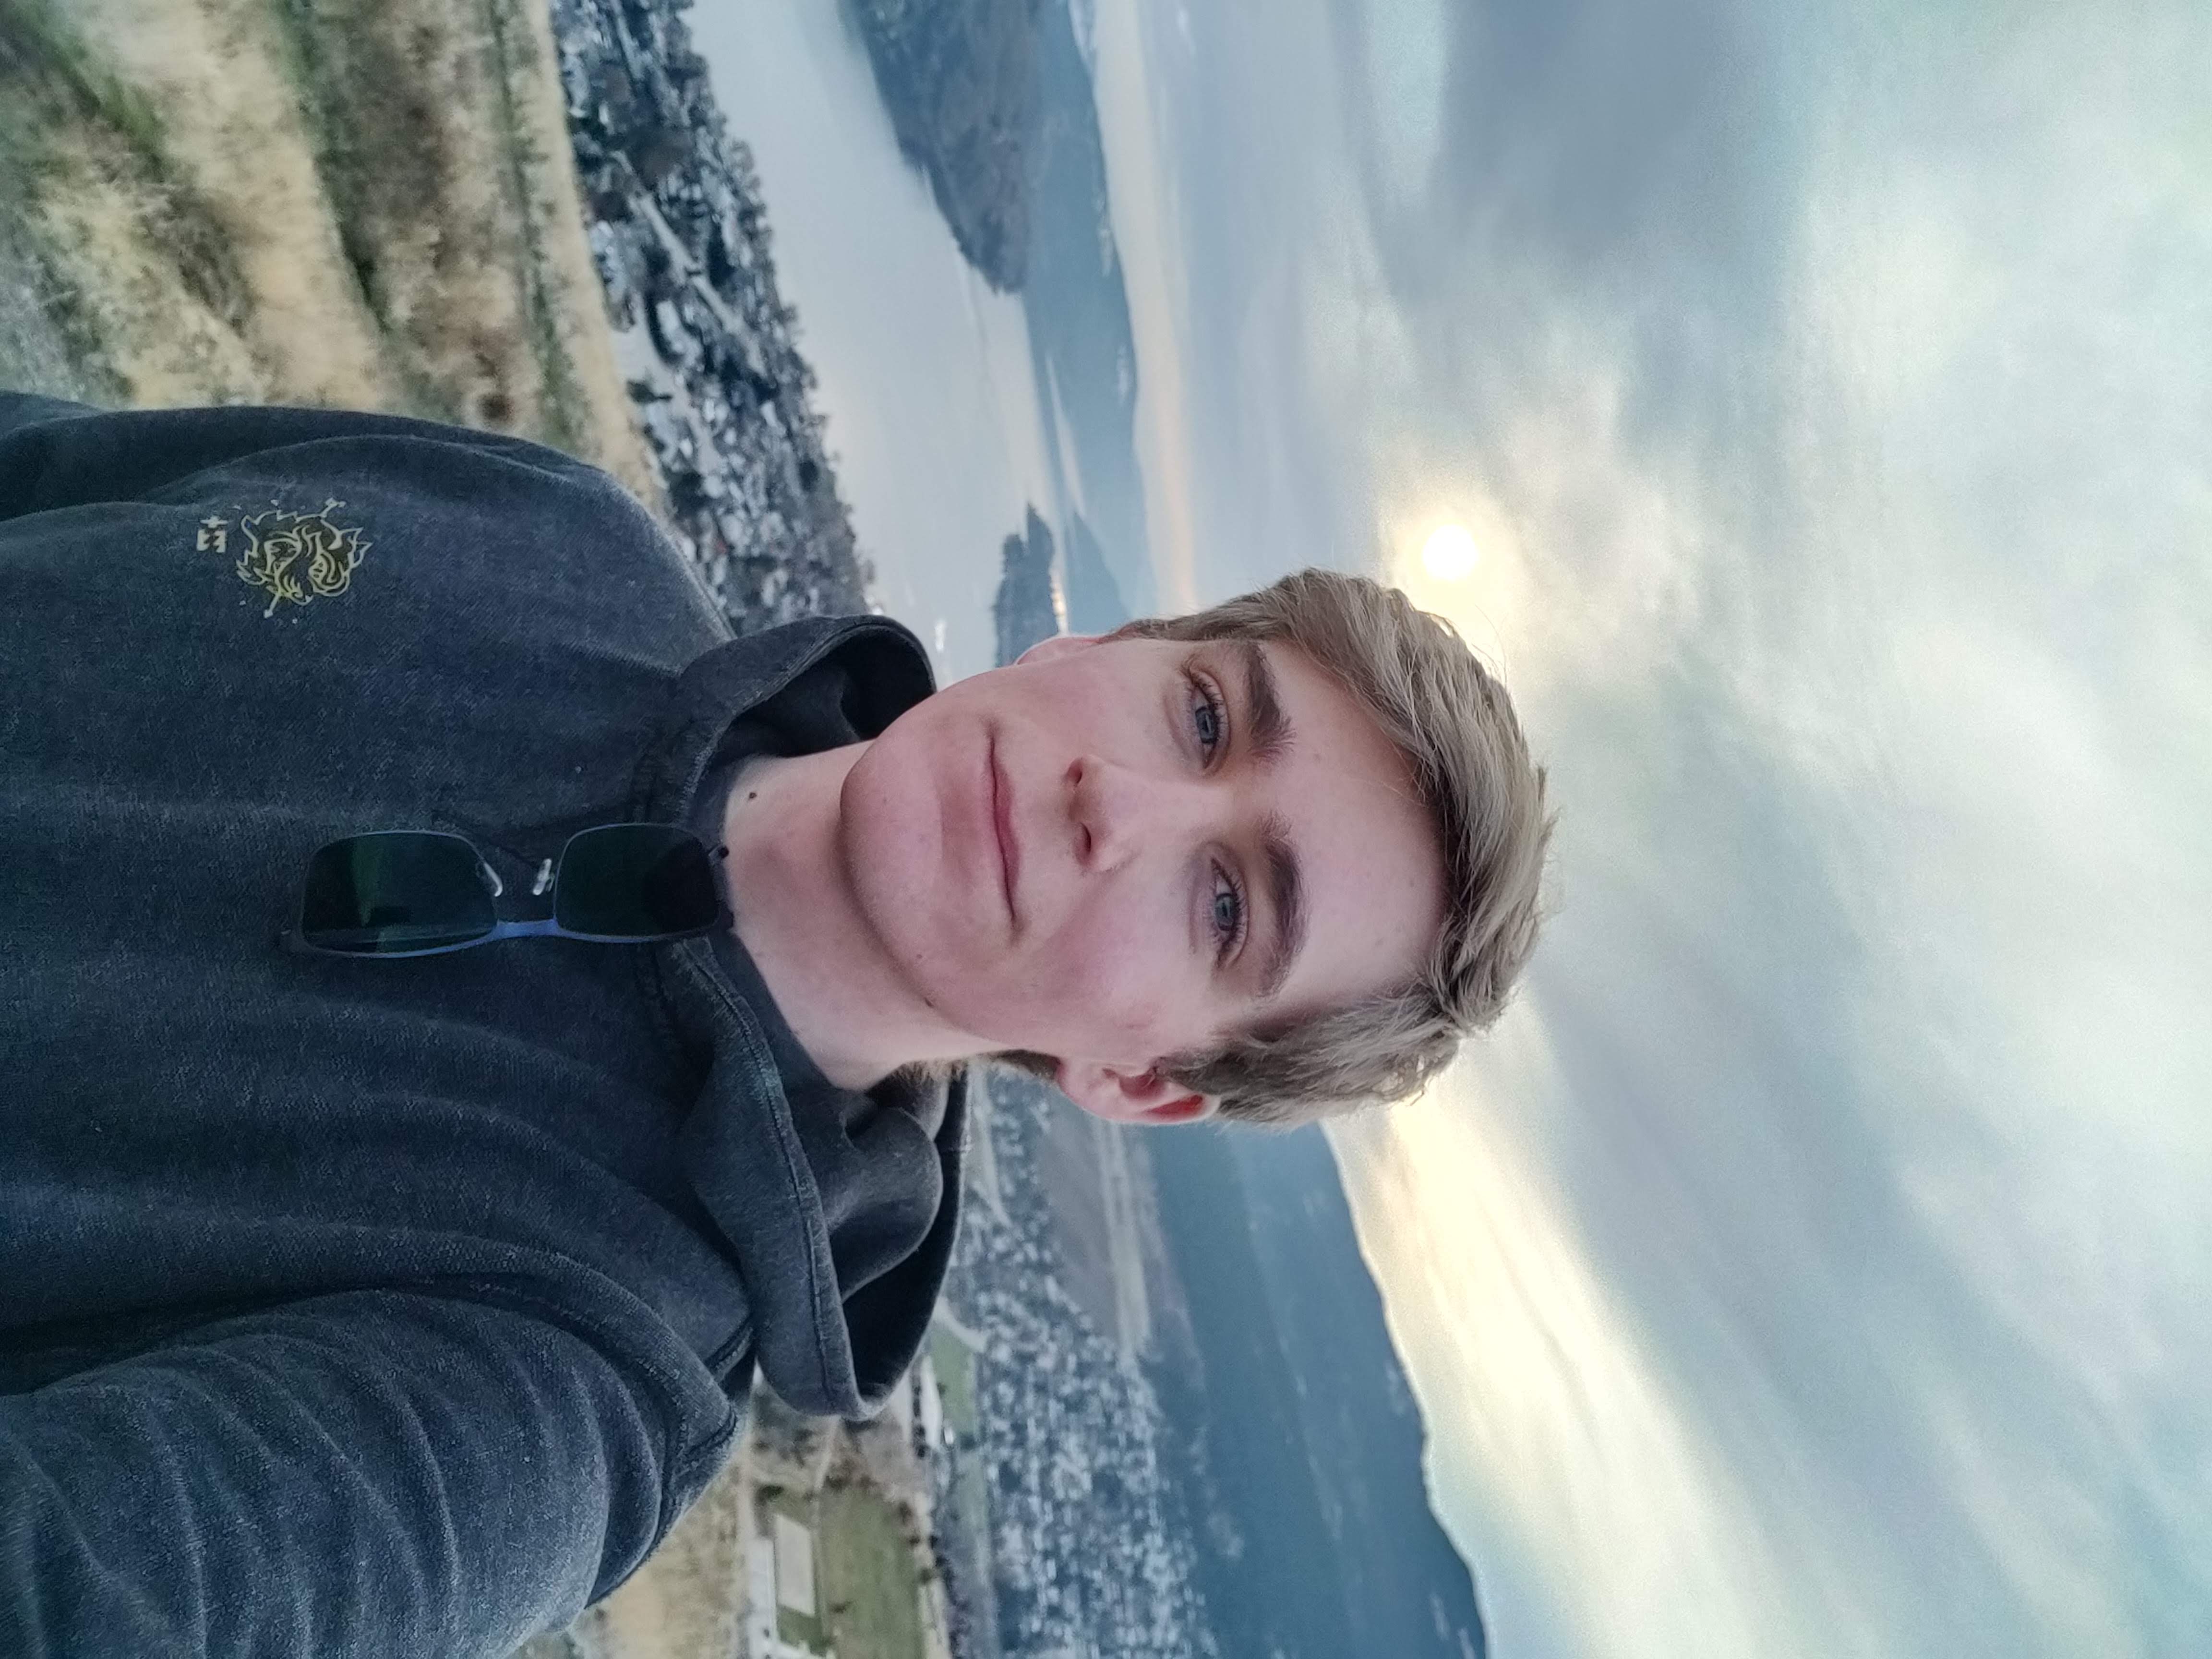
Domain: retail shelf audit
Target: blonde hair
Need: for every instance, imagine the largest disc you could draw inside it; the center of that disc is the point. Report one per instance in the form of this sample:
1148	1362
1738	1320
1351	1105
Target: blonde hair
1453	722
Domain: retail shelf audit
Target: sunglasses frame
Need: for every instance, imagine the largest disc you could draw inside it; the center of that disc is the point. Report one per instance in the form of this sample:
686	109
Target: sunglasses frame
294	938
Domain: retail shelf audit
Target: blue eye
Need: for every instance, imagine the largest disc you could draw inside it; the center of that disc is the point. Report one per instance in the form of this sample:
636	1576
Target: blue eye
1228	916
1208	717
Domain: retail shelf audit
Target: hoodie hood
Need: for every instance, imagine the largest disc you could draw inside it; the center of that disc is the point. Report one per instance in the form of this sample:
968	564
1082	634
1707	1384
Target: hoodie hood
841	1206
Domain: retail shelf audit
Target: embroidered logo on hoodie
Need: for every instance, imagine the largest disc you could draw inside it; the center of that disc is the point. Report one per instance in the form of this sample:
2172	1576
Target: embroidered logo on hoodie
294	557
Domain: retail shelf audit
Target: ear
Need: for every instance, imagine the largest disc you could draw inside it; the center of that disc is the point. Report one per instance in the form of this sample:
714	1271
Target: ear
1122	1096
1055	645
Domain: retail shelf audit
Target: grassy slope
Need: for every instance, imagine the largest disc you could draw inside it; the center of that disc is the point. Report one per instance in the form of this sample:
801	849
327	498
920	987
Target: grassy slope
362	203
867	1588
956	1380
866	1584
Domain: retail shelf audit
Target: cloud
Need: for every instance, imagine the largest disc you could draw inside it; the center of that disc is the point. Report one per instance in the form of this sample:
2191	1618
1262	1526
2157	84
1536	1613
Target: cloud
1273	241
1626	171
1816	1264
1535	1384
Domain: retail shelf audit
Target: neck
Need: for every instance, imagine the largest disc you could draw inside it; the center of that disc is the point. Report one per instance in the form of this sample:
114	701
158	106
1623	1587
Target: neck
832	980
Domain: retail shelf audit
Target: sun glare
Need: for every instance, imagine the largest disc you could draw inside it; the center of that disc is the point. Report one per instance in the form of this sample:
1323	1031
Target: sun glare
1458	555
1449	554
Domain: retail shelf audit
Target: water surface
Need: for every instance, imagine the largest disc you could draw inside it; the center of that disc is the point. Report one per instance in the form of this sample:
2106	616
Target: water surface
925	374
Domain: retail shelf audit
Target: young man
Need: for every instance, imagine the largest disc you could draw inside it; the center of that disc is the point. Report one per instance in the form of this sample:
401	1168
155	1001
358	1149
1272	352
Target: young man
358	1300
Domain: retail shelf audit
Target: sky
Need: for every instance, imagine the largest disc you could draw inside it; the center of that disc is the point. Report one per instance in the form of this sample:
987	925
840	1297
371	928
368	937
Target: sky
1815	1260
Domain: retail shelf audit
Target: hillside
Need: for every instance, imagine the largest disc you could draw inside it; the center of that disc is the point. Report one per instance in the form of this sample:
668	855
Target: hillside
427	208
1297	1443
366	203
959	79
1027	607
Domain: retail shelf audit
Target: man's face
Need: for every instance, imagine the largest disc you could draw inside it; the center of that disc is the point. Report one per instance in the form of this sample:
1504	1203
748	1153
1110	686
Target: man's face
1116	850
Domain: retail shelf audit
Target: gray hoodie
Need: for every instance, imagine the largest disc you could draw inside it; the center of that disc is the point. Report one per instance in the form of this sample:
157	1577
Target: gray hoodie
391	1307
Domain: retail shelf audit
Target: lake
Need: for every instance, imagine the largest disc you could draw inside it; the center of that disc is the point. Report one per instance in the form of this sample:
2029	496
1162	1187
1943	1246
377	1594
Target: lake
925	374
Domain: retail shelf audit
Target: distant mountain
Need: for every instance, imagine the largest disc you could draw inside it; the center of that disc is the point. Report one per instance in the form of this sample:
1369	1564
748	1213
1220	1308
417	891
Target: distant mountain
1027	606
1300	1443
958	78
1095	604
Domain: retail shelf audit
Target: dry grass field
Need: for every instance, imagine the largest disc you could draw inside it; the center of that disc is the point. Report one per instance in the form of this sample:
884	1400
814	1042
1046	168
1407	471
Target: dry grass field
368	204
876	1578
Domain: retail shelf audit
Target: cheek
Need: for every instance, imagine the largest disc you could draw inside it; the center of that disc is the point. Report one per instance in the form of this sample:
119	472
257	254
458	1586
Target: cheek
886	843
1117	975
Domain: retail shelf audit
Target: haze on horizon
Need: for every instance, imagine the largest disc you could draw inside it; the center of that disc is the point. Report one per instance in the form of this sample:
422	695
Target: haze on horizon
1813	1260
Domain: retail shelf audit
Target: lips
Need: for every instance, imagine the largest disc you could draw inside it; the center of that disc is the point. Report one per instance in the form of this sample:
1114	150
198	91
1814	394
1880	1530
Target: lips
1002	825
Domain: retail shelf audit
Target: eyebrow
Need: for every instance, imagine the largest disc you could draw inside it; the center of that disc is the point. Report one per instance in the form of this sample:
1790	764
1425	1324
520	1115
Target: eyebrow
1267	728
1267	736
1286	896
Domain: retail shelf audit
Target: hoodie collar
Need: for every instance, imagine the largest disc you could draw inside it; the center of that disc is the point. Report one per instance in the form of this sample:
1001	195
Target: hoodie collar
841	1206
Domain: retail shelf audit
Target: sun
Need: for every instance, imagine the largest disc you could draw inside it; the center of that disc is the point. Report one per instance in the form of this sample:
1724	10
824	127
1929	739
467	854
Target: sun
1449	554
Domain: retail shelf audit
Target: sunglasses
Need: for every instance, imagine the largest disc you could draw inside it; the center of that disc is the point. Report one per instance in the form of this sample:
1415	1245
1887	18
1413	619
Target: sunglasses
421	893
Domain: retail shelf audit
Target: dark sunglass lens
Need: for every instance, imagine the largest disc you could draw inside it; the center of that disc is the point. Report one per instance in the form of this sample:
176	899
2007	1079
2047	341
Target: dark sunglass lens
382	894
635	880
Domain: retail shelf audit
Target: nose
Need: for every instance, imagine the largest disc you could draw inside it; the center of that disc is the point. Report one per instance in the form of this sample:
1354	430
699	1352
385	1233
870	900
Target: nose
1118	811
